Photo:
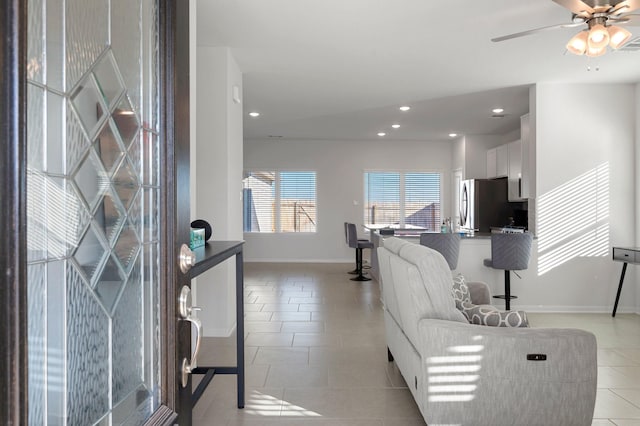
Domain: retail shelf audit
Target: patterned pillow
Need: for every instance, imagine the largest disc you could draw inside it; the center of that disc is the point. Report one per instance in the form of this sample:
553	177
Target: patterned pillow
484	314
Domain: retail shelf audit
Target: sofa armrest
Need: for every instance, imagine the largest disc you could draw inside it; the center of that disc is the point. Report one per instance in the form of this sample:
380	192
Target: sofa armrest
479	292
527	375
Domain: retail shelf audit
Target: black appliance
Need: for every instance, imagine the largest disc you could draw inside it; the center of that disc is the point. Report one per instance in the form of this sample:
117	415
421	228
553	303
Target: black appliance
483	204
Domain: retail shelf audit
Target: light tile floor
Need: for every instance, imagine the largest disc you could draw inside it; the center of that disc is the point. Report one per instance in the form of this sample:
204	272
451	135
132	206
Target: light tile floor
316	355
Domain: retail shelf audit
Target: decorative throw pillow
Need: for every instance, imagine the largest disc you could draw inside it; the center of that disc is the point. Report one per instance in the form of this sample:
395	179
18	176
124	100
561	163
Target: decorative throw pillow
484	314
461	292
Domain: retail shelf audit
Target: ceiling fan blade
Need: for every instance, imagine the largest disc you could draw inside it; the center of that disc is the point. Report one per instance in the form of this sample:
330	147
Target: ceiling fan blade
633	18
576	6
625	7
536	30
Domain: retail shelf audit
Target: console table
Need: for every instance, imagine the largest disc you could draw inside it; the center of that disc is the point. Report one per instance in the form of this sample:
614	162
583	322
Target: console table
626	255
212	254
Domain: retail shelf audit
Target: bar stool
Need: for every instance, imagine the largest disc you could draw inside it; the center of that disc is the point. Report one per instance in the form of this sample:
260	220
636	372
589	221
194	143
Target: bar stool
346	239
448	245
510	252
354	242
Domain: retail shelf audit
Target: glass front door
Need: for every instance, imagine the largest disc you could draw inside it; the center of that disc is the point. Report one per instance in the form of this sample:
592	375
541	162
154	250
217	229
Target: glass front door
93	212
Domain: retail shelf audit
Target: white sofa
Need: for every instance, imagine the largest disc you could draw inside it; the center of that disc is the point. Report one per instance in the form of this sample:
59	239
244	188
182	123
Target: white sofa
465	374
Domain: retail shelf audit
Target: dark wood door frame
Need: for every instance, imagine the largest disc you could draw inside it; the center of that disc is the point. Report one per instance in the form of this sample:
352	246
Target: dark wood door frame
13	288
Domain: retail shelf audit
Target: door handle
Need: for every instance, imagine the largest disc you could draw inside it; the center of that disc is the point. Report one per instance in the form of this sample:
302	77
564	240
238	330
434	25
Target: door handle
187	313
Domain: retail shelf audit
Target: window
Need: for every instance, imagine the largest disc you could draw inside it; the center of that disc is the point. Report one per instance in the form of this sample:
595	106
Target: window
279	202
398	199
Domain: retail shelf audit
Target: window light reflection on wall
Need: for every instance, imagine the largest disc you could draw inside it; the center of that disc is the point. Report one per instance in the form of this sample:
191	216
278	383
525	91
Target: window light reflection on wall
573	220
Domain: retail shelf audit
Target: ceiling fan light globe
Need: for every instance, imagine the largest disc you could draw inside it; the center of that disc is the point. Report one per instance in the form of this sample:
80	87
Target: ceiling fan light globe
578	43
592	53
598	37
618	36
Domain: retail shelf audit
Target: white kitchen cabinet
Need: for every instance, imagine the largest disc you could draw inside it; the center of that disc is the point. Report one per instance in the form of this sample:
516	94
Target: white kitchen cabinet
528	158
515	170
498	162
492	163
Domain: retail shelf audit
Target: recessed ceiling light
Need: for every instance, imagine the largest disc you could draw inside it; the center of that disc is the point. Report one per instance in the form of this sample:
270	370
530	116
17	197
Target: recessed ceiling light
254	114
405	108
382	134
395	126
498	110
453	135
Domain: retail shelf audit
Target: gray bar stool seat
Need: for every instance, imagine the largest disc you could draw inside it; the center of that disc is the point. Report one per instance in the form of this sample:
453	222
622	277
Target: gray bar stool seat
509	252
359	245
448	245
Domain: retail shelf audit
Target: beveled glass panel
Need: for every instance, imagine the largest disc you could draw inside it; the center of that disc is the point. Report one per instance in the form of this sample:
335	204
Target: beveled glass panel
126	40
128	324
55	148
108	147
36	297
109	284
150	278
87	32
125	183
108	80
36	216
135	155
90	254
76	143
88	353
127	246
35	41
91	179
126	121
88	104
35	127
54	44
150	214
67	217
56	298
109	216
150	159
150	71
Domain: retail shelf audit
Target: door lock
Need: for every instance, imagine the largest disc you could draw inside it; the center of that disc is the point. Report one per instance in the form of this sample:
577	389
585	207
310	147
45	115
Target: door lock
186	259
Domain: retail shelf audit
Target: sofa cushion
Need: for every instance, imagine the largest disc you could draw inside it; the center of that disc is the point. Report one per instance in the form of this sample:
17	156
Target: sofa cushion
484	314
431	282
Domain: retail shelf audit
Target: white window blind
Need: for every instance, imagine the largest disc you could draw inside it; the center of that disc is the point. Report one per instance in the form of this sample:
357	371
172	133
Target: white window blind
280	201
398	199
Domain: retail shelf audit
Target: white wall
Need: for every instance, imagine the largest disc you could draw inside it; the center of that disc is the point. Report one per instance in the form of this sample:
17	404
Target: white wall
586	130
218	179
475	150
340	167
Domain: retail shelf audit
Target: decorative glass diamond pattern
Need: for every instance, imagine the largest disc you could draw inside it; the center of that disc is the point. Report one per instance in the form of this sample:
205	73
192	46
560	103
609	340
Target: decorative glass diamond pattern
127	246
88	104
125	182
91	179
107	146
109	216
90	253
108	80
126	121
109	284
76	141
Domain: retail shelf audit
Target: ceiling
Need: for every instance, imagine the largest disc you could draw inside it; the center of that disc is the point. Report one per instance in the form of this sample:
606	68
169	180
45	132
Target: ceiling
339	69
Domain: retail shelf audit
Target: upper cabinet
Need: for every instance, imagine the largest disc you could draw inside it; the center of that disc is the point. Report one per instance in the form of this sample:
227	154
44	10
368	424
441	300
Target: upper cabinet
515	170
498	162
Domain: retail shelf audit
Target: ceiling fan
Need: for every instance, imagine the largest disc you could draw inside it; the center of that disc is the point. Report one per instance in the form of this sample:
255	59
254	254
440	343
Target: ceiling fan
602	18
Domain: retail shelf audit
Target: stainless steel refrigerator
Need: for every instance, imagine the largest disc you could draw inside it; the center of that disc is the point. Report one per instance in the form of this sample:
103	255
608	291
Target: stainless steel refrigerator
483	204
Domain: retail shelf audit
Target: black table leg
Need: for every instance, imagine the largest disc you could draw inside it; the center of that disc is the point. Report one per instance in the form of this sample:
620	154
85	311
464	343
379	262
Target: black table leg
507	290
240	327
615	306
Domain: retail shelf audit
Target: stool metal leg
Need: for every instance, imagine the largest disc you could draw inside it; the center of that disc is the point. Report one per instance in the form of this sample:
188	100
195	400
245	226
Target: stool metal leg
360	276
507	291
